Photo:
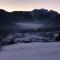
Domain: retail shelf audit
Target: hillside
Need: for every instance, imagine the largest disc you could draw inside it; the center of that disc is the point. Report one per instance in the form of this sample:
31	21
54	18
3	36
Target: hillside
50	20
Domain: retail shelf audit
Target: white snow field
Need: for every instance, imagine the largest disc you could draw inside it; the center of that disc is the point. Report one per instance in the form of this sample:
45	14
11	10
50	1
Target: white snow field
31	51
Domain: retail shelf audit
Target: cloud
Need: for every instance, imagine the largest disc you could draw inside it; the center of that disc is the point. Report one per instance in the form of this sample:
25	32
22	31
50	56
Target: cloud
29	25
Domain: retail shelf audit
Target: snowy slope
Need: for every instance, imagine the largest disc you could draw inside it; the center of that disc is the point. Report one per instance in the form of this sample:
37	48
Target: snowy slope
31	51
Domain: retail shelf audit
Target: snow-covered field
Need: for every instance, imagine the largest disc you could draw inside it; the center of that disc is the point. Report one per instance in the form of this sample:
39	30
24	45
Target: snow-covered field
31	51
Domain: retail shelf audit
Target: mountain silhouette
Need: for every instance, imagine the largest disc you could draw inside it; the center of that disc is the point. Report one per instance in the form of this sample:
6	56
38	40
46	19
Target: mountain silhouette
50	19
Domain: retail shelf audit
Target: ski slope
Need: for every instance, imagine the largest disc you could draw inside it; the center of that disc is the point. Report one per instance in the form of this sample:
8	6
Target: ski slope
31	51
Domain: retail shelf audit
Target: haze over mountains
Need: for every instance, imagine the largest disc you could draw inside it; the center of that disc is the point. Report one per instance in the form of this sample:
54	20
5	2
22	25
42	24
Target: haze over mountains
16	19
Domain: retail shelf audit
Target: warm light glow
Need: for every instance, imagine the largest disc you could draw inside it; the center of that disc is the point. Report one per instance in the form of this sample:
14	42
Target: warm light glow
27	5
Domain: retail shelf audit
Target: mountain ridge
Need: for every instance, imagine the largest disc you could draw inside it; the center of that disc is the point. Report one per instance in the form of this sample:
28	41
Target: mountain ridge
48	18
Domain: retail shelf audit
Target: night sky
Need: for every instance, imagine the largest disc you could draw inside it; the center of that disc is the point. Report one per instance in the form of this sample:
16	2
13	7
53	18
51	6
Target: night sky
13	5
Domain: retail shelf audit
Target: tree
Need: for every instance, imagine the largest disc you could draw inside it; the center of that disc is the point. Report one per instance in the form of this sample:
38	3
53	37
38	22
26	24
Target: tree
58	38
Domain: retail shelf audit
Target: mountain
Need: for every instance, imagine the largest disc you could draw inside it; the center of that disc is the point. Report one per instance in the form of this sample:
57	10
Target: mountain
49	19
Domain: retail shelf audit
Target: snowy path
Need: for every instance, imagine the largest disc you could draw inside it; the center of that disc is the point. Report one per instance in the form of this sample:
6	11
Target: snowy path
32	51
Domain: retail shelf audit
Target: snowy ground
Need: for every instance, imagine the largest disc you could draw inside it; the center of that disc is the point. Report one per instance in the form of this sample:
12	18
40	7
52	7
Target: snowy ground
31	51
